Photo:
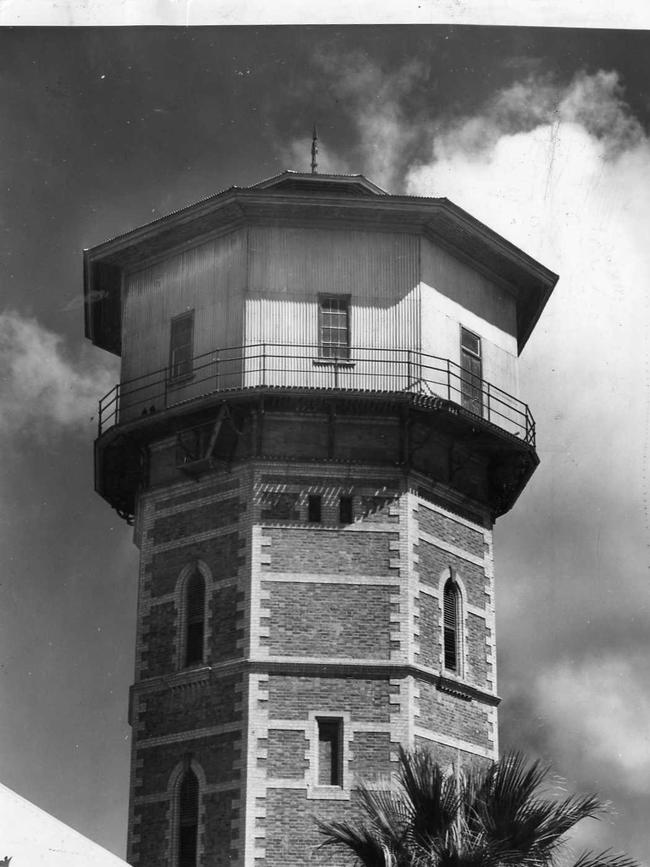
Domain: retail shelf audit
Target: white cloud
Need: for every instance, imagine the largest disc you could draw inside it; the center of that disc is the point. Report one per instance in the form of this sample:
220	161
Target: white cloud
598	710
42	390
375	104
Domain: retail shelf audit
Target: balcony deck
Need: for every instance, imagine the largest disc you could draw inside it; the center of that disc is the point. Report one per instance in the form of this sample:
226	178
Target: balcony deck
289	366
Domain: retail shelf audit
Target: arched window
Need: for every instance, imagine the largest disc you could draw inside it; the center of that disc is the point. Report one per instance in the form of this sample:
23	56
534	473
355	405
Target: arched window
194	619
451	625
188	820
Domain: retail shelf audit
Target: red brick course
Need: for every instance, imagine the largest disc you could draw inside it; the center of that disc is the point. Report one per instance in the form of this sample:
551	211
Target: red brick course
286	754
221	844
319	551
190	706
429	629
159	638
190	522
371	756
363	699
453	532
328	620
223	556
216	754
453	716
151	849
478	670
292	837
433	561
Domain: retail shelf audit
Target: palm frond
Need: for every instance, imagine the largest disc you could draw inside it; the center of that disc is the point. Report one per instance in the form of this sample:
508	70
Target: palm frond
354	837
606	858
501	815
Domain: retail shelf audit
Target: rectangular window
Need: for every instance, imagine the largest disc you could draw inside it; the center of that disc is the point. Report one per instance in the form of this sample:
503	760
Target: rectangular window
181	345
313	508
330	752
471	372
346	515
334	327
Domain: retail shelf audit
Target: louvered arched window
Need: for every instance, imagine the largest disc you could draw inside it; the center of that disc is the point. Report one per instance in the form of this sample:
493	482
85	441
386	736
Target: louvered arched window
451	626
188	820
194	619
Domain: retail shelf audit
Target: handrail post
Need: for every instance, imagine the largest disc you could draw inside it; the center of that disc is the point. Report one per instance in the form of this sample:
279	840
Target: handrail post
448	380
487	392
408	368
263	364
217	371
336	373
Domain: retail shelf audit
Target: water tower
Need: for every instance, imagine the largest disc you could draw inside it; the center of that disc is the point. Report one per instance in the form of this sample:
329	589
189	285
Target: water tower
316	427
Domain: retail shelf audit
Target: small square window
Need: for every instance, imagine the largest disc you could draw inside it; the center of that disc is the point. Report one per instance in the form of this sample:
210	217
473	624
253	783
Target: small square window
346	514
314	508
330	752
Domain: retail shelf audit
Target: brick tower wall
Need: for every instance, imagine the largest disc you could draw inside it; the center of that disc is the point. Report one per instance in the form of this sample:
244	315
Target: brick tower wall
305	620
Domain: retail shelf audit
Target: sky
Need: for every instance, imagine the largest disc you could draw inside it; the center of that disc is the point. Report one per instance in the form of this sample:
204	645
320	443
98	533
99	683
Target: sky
543	134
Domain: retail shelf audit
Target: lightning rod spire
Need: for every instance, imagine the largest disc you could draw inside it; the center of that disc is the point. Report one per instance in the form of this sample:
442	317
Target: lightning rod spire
314	150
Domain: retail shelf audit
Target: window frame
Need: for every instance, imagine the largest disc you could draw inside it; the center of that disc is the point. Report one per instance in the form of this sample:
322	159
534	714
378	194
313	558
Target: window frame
195	824
322	791
334	357
193	620
174	785
314	508
182	607
471	392
346	509
183	375
450	578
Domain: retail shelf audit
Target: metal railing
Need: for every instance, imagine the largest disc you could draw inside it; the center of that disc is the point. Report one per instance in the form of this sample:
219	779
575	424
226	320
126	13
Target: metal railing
301	366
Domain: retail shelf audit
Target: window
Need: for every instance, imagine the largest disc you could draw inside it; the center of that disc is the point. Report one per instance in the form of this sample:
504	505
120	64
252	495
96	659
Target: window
450	616
188	820
334	327
346	515
181	345
471	374
194	619
330	752
313	508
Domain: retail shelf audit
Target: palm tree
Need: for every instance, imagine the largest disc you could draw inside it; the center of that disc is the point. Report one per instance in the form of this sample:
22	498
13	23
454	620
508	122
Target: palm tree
499	816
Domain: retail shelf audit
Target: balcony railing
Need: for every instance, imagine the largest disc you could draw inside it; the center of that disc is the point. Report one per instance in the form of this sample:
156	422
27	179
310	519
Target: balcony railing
301	366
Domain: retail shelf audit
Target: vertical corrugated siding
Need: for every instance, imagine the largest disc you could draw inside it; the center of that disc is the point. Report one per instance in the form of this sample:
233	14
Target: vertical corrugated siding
453	294
209	279
291	267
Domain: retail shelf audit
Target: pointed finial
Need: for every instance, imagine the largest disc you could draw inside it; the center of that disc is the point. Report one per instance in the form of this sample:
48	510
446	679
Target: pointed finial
314	150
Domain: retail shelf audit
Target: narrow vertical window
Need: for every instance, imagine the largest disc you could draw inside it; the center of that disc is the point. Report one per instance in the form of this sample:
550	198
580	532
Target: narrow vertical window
195	619
471	381
188	820
334	327
314	508
330	752
346	515
450	615
181	345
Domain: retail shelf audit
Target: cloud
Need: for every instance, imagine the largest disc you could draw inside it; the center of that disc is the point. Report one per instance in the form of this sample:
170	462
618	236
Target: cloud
563	172
42	390
598	711
378	107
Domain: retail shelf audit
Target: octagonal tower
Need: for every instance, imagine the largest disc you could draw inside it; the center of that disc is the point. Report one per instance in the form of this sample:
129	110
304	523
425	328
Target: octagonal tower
317	425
